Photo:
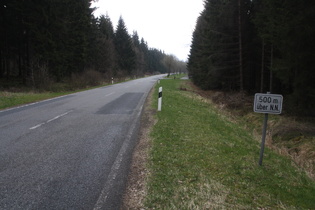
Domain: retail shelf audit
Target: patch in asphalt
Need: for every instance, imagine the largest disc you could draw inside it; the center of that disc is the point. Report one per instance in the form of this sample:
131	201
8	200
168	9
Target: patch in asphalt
125	104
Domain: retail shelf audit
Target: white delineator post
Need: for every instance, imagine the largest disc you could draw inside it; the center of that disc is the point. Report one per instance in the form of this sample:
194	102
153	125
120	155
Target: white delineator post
160	99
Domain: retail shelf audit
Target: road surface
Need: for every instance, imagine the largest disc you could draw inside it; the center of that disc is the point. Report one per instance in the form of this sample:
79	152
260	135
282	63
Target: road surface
71	152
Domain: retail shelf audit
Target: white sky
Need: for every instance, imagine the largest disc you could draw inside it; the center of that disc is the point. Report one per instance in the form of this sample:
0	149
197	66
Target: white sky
165	24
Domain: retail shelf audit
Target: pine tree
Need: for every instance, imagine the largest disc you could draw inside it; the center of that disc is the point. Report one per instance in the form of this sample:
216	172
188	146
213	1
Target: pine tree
14	39
287	29
217	59
125	53
216	45
196	64
104	48
58	35
140	55
79	17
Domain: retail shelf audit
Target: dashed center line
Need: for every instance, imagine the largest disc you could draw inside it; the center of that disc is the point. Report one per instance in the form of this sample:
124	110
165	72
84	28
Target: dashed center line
48	121
109	94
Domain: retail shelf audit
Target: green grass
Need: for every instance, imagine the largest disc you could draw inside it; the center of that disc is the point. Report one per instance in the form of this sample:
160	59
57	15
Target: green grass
24	95
10	99
200	159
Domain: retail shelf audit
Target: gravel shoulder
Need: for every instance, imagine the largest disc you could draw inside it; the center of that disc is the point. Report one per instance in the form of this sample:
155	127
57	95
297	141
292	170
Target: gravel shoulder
136	186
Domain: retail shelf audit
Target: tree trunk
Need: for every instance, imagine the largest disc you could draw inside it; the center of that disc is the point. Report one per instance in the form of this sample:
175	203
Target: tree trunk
262	66
240	45
271	66
1	64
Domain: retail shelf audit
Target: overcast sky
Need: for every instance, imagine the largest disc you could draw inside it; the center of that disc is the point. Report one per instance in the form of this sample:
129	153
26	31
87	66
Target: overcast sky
165	24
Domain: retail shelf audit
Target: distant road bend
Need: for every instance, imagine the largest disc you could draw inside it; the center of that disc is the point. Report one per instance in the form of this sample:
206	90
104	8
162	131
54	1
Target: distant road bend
71	152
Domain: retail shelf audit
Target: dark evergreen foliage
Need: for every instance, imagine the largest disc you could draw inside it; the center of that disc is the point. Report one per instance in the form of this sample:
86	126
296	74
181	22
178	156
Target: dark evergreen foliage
102	55
125	52
277	48
43	41
216	43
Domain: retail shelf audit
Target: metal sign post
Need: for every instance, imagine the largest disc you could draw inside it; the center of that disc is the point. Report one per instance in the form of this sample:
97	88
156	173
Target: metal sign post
263	138
267	104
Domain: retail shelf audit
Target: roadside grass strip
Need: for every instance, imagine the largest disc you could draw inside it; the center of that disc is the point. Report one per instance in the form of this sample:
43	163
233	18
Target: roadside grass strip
13	99
10	99
200	159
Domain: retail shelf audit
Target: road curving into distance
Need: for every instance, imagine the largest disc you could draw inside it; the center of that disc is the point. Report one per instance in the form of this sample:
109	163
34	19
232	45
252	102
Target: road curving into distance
71	152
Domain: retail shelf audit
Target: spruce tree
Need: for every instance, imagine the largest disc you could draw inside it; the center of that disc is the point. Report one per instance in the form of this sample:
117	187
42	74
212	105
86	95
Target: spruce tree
216	58
140	55
216	47
104	56
287	28
196	66
125	53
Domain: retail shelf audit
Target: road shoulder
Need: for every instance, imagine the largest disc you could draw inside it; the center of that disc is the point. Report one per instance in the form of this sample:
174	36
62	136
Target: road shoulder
136	186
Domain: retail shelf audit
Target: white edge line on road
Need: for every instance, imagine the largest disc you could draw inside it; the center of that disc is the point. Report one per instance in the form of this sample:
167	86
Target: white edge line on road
48	121
30	104
117	164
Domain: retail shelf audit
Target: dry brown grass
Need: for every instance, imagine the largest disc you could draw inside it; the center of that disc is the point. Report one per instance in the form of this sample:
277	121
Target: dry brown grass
297	140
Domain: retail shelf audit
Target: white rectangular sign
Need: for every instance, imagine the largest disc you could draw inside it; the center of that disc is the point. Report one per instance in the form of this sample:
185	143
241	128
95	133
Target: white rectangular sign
268	103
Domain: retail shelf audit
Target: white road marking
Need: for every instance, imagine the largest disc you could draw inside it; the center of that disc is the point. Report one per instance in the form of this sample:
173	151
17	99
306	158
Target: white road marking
37	126
101	201
48	121
109	94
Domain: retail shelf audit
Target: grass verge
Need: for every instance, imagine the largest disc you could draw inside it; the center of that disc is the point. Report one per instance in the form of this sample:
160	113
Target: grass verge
23	95
201	159
288	134
11	99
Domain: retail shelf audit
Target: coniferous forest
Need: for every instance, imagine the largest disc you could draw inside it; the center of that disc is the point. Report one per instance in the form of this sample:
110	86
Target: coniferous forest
58	41
238	45
257	46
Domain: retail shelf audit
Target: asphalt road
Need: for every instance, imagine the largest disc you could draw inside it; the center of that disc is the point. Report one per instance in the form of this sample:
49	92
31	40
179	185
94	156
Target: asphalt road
71	152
